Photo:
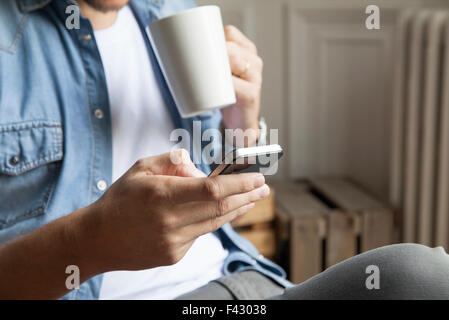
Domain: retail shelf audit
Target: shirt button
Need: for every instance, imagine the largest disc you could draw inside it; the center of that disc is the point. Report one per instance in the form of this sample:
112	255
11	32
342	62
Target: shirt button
86	37
99	114
101	185
14	160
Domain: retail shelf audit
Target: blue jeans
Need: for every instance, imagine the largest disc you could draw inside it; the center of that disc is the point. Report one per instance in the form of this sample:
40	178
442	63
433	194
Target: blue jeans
401	271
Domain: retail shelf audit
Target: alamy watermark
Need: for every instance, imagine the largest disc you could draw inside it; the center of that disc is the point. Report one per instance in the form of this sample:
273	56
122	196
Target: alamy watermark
373	280
72	282
372	22
210	147
73	19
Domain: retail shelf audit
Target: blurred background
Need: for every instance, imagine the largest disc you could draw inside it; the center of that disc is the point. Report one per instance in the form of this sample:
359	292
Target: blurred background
363	118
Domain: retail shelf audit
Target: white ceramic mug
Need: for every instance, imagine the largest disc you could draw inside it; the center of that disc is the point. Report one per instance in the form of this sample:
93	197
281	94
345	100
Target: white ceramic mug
191	49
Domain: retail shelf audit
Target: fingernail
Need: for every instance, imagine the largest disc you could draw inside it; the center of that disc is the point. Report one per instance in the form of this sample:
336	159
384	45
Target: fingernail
264	191
259	180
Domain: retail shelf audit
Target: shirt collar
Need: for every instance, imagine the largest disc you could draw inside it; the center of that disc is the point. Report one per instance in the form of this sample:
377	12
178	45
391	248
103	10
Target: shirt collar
26	6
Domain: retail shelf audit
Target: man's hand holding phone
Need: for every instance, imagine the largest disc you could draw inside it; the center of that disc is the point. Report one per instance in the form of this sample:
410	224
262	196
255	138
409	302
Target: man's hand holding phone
151	216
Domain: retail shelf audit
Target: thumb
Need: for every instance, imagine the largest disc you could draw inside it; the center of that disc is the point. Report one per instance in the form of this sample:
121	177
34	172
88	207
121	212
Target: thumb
173	163
182	165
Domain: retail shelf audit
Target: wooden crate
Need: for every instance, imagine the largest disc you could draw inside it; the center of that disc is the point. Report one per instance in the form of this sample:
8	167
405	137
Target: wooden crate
258	226
263	212
263	238
323	221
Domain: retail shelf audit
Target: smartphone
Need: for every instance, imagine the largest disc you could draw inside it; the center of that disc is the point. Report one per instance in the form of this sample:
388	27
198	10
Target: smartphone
263	159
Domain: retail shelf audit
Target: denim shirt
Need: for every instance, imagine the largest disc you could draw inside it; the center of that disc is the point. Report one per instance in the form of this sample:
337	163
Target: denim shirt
53	149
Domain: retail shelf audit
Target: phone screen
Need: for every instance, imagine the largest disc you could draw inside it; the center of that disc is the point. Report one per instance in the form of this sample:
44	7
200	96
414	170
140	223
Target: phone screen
266	164
250	164
263	159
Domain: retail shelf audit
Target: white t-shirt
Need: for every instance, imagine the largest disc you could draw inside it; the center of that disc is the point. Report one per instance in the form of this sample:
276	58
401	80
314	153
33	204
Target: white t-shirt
141	127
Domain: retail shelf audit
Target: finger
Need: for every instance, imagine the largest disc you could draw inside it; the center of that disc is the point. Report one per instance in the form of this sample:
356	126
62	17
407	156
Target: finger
204	227
182	165
247	93
180	190
174	163
206	210
183	249
234	34
244	64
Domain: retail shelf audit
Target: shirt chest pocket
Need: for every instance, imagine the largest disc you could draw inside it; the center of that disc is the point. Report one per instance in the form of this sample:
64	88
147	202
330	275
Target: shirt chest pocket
30	154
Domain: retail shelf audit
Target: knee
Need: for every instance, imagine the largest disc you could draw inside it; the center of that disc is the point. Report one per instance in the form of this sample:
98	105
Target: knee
416	271
411	258
411	255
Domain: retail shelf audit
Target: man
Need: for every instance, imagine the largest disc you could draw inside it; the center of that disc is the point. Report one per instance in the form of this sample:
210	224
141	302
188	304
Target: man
84	115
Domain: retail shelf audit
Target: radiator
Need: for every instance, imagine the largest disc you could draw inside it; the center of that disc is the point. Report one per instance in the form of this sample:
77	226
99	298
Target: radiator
419	186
